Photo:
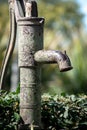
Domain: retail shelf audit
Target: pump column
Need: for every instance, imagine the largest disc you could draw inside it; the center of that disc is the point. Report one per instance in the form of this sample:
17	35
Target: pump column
30	40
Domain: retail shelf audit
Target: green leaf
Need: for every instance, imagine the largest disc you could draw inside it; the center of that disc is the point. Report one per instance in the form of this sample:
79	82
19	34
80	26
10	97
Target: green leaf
66	112
16	116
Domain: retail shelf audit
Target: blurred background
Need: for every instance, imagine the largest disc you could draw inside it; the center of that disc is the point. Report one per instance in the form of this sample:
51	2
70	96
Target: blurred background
65	29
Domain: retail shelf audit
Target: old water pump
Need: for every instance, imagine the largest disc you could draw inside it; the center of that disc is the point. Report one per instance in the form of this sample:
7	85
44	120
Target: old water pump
28	27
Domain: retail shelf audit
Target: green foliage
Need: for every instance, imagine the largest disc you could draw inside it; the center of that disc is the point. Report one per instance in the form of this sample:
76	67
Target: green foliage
9	108
4	29
67	15
4	18
65	112
58	112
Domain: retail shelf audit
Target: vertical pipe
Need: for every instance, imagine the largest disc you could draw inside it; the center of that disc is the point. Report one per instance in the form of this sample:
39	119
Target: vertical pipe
30	40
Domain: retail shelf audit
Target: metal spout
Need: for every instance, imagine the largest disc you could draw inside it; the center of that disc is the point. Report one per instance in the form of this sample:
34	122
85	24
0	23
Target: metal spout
51	56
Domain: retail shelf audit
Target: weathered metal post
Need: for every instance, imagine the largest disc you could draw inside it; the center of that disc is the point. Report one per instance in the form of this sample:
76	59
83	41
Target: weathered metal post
30	40
30	56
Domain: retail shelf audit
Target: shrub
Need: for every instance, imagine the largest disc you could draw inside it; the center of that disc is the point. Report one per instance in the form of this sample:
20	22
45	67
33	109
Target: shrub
9	111
64	112
58	112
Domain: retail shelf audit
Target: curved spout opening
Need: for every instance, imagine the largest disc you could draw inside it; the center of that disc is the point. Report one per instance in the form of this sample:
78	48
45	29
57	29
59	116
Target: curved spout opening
65	66
64	62
51	56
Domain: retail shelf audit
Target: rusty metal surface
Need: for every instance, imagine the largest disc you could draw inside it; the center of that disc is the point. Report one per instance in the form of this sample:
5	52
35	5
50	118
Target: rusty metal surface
30	40
28	127
31	21
30	94
52	56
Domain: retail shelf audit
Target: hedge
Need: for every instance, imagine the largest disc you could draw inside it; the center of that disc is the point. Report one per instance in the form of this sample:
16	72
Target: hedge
62	112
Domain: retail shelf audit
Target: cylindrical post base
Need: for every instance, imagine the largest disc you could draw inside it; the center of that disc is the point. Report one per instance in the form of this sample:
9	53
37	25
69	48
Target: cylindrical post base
30	95
30	40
